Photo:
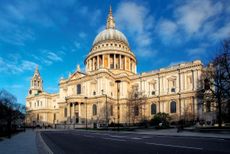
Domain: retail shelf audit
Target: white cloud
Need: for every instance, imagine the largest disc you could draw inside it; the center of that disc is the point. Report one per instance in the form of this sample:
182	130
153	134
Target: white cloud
77	44
48	57
167	30
193	14
195	20
197	52
82	35
93	15
138	23
8	66
53	57
222	33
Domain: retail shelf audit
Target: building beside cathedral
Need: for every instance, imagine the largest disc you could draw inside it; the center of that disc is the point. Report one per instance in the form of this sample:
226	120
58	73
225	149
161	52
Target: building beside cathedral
103	93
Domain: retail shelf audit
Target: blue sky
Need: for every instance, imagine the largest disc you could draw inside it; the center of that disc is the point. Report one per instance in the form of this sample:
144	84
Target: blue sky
57	35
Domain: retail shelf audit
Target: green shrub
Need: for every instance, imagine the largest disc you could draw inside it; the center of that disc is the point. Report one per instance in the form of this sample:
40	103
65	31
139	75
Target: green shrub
160	118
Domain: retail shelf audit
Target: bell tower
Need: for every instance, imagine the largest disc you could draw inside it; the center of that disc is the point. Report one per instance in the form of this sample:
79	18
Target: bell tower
36	83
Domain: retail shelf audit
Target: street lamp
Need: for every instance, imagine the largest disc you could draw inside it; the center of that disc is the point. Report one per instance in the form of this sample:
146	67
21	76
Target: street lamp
86	124
118	105
106	108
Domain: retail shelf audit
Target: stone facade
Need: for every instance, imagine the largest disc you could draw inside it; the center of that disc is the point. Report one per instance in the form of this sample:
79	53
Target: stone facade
95	96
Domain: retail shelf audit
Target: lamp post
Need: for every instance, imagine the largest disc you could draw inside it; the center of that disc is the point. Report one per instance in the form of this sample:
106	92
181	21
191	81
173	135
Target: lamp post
86	124
106	108
118	105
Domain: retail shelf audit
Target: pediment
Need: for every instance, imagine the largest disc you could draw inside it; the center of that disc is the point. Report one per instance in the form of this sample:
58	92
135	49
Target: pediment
76	75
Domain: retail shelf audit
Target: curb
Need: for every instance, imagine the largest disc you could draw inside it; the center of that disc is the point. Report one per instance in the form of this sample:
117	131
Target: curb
41	145
173	135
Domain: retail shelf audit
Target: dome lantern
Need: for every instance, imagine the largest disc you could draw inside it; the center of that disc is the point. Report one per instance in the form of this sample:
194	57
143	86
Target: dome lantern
110	21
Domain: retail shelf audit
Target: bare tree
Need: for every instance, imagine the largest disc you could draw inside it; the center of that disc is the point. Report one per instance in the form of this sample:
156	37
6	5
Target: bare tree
136	106
10	110
216	80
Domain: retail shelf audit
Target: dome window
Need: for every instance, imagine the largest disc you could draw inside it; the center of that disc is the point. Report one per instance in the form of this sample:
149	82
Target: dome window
107	44
115	44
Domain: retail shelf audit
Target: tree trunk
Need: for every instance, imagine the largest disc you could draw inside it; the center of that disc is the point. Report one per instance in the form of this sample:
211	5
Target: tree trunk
219	112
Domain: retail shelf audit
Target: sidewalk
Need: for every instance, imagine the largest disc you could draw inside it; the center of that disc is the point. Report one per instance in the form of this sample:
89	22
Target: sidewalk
173	132
21	143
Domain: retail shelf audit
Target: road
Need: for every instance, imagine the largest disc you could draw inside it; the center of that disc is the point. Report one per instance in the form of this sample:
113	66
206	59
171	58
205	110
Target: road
87	142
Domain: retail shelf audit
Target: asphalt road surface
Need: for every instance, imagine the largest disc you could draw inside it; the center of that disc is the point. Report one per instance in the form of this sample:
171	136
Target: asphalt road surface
85	142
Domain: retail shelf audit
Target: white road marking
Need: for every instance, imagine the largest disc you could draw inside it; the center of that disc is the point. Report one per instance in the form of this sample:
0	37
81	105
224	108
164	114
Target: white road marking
175	146
88	136
136	138
113	139
117	136
221	139
146	137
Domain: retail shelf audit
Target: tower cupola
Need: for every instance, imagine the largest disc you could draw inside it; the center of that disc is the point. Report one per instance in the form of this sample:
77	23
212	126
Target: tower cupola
36	83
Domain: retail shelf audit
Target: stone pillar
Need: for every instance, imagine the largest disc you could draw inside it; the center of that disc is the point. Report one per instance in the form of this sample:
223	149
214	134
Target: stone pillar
114	61
103	61
93	60
90	65
193	80
98	65
124	62
120	62
79	112
73	113
108	61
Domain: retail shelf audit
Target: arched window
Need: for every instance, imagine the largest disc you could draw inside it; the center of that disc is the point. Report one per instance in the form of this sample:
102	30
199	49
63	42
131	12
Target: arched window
153	108
111	110
94	109
173	107
78	88
136	110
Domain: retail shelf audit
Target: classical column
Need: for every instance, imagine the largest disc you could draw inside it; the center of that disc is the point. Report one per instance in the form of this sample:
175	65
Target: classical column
93	63
193	80
124	62
73	113
114	61
108	56
79	112
90	65
135	68
179	73
120	62
97	62
194	107
103	61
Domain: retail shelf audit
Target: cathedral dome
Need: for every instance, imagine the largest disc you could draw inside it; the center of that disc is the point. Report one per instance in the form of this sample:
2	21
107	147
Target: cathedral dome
111	51
110	34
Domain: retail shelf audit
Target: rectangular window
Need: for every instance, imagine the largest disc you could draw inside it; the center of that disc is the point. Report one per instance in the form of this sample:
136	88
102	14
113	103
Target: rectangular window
65	112
79	89
54	116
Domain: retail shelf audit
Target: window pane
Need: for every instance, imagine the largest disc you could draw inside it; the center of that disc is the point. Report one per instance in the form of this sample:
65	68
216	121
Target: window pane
79	89
173	107
153	109
94	109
